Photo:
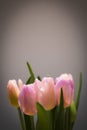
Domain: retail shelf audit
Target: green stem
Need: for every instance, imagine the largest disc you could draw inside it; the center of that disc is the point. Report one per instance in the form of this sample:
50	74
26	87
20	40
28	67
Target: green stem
68	125
54	111
50	120
32	122
21	119
29	122
66	120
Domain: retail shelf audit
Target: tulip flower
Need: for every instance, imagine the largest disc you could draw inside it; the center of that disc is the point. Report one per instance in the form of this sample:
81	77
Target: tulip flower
65	81
27	99
13	92
46	92
20	84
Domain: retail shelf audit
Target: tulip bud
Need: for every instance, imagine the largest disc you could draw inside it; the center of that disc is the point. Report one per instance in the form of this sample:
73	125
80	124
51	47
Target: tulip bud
20	84
46	93
65	81
13	92
27	99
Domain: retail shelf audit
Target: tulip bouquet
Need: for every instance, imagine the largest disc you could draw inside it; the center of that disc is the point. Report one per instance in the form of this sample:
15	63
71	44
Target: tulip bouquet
47	103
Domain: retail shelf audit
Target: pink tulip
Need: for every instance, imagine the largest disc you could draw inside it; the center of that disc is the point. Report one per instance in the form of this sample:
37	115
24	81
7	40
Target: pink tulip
65	81
13	92
46	92
27	99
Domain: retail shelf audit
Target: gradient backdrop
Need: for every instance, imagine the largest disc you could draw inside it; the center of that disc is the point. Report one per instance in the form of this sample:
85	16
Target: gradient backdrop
52	37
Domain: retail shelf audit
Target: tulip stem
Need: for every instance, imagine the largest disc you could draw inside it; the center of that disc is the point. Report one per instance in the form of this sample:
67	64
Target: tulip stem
50	120
32	122
29	122
21	119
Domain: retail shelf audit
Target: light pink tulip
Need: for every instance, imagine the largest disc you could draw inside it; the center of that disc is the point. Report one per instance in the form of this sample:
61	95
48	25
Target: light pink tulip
65	81
20	84
13	92
27	99
46	92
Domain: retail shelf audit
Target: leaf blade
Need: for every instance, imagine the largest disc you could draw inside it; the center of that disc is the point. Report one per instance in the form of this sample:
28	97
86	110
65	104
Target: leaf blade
78	91
43	122
59	122
32	77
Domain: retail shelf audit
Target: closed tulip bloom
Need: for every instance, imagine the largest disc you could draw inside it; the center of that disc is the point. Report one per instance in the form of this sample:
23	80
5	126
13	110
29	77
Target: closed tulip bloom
27	99
46	92
65	81
13	92
20	84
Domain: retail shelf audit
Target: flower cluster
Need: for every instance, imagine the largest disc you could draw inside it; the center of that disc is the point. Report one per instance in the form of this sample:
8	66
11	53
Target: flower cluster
52	100
46	92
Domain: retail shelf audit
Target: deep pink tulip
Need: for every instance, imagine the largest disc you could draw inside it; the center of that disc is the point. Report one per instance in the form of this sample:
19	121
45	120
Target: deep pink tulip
13	92
65	81
46	92
27	99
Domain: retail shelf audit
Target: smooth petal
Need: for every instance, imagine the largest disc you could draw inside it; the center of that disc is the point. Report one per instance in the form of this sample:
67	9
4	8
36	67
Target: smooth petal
65	81
13	92
46	92
20	84
27	99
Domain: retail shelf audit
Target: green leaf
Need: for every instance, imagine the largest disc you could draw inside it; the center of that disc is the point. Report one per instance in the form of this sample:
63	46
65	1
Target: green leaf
54	112
32	77
30	80
59	122
70	116
61	107
39	78
73	112
43	119
30	69
78	91
67	119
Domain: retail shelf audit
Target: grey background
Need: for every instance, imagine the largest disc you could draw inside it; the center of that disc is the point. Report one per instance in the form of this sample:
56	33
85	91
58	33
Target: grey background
52	37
